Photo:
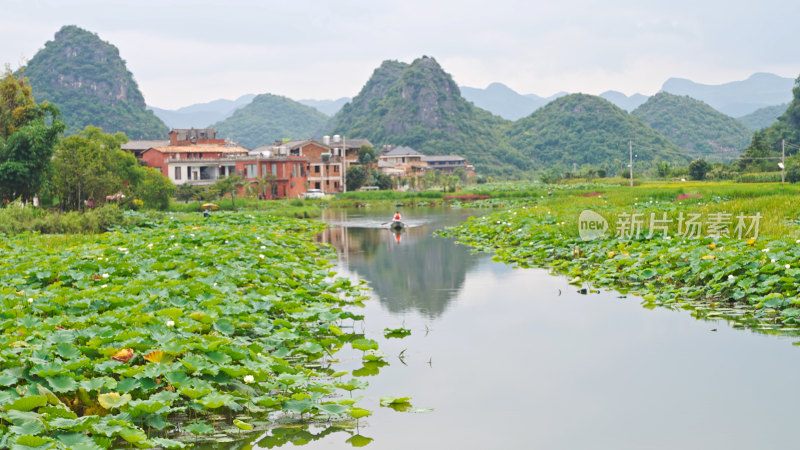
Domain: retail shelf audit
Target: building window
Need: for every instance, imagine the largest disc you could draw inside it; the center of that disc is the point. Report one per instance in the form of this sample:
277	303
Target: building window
275	170
177	173
294	170
316	169
316	185
336	169
250	171
263	170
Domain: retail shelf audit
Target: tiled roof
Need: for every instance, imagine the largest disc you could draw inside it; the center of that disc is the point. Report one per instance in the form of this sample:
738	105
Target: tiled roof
402	151
144	145
291	145
440	158
199	149
355	143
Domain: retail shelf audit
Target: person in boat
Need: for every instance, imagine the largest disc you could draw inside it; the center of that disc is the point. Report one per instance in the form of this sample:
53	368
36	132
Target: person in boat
396	217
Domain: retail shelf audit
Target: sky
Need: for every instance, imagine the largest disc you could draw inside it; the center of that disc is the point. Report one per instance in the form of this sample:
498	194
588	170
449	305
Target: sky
186	52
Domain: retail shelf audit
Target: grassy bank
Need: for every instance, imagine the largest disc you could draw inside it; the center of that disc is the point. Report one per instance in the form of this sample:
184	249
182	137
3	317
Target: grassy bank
301	209
215	325
15	219
750	281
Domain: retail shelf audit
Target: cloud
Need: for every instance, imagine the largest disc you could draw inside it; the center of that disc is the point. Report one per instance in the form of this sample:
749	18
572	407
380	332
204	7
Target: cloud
189	51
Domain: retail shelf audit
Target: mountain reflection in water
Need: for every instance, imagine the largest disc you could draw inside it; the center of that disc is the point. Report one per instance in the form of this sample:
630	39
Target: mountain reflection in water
420	272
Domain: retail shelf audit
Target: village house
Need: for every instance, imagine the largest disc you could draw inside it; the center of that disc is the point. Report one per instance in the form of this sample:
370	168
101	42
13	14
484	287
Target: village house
197	157
402	162
328	160
449	164
139	147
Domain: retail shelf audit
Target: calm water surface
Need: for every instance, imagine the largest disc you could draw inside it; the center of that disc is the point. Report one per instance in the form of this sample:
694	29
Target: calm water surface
518	359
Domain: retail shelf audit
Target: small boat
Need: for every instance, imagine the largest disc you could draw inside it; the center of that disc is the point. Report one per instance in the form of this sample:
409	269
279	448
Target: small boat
397	225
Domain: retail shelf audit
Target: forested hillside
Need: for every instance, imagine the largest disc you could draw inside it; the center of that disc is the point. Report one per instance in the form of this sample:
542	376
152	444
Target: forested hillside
418	105
271	117
586	130
699	129
88	80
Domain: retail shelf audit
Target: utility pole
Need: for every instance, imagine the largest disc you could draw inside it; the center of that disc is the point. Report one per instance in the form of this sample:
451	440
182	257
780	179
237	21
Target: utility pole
344	163
630	147
783	161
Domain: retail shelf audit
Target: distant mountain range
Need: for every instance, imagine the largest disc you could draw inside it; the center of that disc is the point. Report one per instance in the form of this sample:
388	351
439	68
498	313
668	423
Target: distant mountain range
763	117
201	115
420	106
327	107
503	101
623	101
736	98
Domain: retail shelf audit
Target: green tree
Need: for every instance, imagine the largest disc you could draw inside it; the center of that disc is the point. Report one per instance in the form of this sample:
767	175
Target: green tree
28	134
271	182
366	155
92	165
155	190
698	169
186	192
355	178
793	168
754	157
229	185
366	158
451	183
383	181
461	174
431	178
663	169
550	176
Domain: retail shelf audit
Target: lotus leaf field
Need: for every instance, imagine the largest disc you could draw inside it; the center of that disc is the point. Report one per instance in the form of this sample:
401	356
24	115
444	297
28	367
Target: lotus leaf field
152	336
752	282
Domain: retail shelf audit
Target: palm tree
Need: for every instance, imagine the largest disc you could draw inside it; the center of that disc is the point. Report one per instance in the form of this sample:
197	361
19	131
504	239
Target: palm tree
230	185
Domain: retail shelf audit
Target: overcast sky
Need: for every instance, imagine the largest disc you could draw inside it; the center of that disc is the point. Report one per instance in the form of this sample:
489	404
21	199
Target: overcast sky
185	52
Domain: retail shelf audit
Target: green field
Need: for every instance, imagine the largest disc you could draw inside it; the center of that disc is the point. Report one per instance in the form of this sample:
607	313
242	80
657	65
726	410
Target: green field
217	326
718	267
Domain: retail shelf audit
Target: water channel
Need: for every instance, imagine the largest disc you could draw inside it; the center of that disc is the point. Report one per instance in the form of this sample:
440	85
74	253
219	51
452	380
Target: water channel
505	358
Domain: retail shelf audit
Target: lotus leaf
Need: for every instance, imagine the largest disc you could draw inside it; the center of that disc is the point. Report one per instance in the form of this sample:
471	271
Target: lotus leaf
62	383
364	344
113	400
123	355
199	428
222	316
334	409
27	403
358	440
78	441
224	326
216	399
357	413
242	425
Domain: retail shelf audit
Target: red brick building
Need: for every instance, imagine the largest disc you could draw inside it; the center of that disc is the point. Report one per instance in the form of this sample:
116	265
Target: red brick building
197	157
327	160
